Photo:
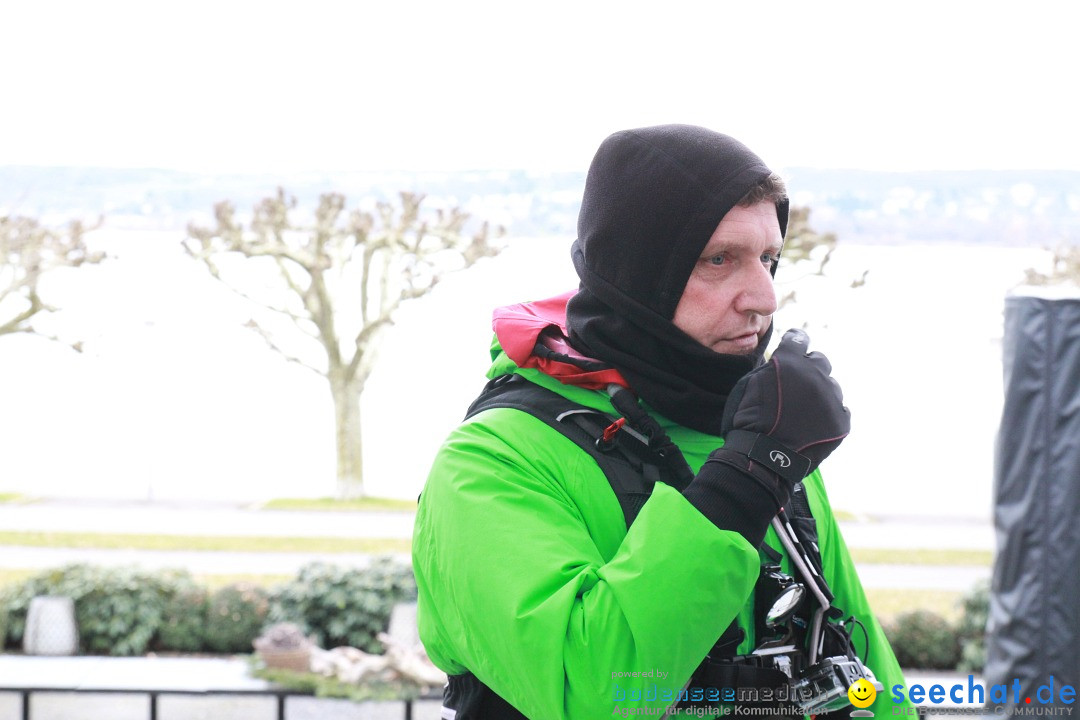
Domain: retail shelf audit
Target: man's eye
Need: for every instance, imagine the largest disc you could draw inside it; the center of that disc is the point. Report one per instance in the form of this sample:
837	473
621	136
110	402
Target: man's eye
717	259
770	259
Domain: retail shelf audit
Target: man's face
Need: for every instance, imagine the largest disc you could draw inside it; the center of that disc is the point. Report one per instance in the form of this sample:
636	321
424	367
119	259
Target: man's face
729	299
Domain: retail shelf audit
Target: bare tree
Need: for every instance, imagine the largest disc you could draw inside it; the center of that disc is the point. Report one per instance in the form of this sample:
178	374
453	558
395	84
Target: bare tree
804	259
333	283
28	253
801	240
805	246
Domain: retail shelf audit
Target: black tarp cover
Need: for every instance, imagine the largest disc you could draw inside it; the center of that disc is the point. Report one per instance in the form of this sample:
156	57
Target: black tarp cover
1034	624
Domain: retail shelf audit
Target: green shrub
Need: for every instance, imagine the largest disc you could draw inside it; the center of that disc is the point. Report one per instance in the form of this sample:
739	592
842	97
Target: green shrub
925	640
344	606
234	615
975	611
183	627
118	610
3	618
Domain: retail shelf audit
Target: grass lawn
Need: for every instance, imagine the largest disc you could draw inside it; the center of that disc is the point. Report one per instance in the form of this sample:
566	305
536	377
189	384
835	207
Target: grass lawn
369	504
206	543
14	498
9	576
229	543
373	504
209	581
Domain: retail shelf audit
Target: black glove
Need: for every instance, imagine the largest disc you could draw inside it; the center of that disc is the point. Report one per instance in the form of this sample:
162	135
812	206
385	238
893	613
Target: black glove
780	421
787	414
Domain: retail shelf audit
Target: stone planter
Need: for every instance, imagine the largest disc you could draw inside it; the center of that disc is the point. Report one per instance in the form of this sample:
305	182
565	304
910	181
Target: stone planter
295	660
50	627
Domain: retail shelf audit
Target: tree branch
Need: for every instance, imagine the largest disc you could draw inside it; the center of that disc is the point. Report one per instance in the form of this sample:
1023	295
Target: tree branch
27	252
268	338
15	324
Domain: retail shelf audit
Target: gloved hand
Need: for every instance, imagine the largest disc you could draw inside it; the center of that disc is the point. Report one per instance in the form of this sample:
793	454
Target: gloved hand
787	414
780	421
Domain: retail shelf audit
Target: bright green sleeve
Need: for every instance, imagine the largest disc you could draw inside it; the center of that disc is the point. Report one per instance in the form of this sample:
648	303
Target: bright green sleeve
528	577
844	582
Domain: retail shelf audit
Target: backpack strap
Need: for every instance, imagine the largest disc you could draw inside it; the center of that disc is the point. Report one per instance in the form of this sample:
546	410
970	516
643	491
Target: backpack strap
628	462
627	458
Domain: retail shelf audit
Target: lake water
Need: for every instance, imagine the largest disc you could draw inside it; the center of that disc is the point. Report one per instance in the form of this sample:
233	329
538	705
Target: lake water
173	398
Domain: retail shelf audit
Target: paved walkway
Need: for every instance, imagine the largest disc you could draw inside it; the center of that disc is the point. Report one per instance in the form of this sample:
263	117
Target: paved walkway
937	533
207	518
211	563
192	518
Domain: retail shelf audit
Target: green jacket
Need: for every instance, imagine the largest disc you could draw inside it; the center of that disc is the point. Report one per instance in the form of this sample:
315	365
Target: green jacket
529	578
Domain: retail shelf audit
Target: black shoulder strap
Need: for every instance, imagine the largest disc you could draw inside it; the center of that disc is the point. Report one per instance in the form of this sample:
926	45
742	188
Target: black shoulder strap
627	463
631	467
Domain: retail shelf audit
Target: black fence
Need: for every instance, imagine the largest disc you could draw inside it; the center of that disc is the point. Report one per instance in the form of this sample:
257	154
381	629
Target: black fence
280	695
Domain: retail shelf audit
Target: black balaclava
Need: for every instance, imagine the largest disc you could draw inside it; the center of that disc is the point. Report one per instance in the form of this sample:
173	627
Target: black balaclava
653	198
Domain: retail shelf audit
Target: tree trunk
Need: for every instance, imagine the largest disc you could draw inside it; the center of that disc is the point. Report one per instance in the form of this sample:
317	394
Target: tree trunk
350	463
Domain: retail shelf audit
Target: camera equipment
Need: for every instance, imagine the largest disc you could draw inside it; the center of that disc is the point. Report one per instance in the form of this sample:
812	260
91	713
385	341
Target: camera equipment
816	684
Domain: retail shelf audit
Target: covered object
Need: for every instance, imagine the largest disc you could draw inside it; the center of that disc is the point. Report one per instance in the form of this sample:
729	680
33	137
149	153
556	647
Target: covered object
1033	633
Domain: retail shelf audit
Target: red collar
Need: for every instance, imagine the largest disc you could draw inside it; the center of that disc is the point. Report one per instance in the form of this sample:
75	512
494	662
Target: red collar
519	328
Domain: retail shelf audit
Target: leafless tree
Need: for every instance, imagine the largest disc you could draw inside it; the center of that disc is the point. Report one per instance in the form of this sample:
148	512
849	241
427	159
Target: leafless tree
333	283
805	247
28	253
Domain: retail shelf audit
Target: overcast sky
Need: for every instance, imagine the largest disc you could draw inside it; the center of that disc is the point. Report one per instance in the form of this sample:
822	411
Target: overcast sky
319	85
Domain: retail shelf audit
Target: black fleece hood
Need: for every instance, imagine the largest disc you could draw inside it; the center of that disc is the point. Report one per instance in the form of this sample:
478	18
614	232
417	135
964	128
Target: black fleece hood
653	198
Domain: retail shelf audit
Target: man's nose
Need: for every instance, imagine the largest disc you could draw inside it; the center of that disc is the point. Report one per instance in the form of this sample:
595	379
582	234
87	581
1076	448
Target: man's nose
758	294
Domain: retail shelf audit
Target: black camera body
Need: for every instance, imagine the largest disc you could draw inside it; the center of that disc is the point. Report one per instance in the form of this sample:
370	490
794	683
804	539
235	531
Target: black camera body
823	687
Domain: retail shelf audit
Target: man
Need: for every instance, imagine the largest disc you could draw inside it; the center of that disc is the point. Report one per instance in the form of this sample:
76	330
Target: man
553	584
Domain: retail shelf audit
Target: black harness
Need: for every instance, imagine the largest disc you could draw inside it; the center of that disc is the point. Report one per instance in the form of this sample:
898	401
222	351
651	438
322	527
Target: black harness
634	453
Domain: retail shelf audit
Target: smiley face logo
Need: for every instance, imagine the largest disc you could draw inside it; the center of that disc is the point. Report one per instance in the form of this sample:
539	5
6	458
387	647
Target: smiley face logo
862	693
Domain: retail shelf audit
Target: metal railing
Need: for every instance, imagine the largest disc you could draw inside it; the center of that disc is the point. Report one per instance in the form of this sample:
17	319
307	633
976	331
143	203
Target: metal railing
280	695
